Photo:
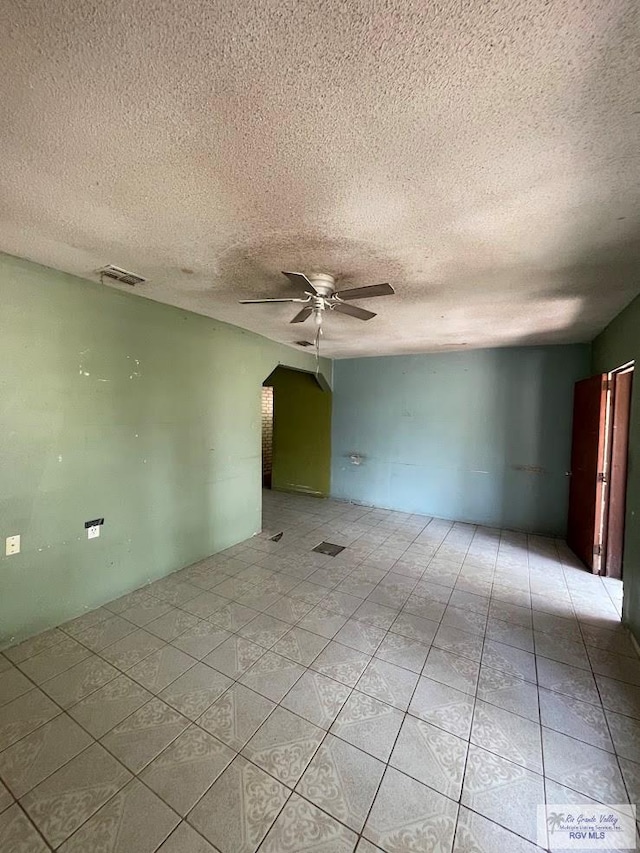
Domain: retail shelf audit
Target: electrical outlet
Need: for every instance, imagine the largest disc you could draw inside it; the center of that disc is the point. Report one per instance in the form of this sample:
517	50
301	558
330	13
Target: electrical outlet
12	545
93	532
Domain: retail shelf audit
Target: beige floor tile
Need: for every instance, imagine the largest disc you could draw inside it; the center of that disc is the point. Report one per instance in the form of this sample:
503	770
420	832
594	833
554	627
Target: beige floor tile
134	820
200	639
194	691
187	768
236	716
234	656
444	706
580	720
509	659
341	663
104	633
342	780
284	745
17	833
369	724
452	670
272	675
237	811
160	668
570	680
25	714
205	604
361	636
99	712
509	692
54	660
619	696
302	827
404	652
300	645
6	799
431	756
583	768
66	799
389	683
289	609
131	649
145	610
137	740
322	621
35	645
475	833
81	680
508	735
317	698
232	616
13	684
184	839
25	764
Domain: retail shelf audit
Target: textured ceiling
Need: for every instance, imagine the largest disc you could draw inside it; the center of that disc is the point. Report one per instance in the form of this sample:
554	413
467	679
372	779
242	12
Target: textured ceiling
481	156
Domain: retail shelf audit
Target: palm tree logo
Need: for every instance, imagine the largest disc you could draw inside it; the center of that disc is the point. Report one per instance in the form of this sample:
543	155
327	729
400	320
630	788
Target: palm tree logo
555	821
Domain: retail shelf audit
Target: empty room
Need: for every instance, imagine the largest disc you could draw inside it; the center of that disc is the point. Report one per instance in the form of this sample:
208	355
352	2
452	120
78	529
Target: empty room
319	432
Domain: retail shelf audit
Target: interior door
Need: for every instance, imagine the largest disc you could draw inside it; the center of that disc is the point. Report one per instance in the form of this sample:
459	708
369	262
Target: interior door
621	408
588	447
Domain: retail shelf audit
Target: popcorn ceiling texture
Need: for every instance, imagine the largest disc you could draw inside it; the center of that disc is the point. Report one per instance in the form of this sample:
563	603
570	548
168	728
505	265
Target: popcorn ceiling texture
481	156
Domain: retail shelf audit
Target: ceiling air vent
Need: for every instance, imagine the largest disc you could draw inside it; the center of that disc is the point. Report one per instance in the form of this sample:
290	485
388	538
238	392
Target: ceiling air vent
118	274
304	343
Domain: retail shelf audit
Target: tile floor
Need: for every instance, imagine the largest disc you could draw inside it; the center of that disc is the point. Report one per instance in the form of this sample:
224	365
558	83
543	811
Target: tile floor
423	690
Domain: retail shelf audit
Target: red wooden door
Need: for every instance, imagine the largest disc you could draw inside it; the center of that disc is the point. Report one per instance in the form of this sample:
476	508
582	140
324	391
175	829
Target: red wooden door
586	504
620	410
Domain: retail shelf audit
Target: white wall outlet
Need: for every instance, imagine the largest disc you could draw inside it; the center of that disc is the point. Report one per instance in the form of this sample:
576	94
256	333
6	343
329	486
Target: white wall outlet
12	545
93	532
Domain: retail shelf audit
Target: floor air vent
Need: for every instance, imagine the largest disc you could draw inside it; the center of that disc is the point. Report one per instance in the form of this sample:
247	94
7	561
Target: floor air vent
118	274
329	549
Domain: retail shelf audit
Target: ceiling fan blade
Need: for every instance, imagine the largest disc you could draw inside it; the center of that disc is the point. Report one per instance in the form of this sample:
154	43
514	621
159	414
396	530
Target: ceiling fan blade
366	292
300	280
353	311
260	301
301	316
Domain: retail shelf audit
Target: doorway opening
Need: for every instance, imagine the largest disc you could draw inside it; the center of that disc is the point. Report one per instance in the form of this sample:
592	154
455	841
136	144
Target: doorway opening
599	454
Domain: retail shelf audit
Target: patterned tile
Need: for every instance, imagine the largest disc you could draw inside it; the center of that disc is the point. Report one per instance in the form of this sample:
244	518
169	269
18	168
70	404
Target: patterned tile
236	715
453	670
35	645
102	710
415	627
341	663
81	680
425	607
626	735
476	834
317	698
66	799
160	668
23	715
18	834
145	610
444	706
54	660
194	691
407	816
502	791
431	756
509	659
564	651
171	624
459	642
323	622
237	811
376	614
105	633
13	684
509	692
403	651
583	768
137	740
264	630
619	696
234	656
571	717
342	780
200	639
135	819
520	636
465	620
361	636
289	609
131	649
6	798
566	679
32	759
508	735
302	827
389	683
205	604
284	745
184	839
232	616
272	676
300	646
341	602
369	724
187	768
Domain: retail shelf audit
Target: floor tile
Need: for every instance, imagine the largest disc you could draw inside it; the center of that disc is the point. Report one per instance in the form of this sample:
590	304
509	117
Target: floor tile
403	651
105	708
431	756
323	622
509	659
66	799
444	706
508	735
24	715
459	642
131	649
105	633
81	680
317	698
465	620
272	675
519	636
289	609
135	819
204	605
341	663
145	611
35	645
199	640
13	684
6	799
194	691
361	636
264	630
341	602
571	717
453	670
284	745
509	692
626	735
389	683
583	768
236	715
615	666
237	811
502	791
569	680
25	764
619	696
302	827
182	773
300	645
234	656
369	724
564	651
476	834
376	614
160	668
137	740
414	627
171	624
408	816
427	609
17	833
232	616
342	780
184	839
54	660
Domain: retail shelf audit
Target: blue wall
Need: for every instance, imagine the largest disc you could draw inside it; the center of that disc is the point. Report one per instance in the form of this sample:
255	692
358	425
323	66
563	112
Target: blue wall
482	436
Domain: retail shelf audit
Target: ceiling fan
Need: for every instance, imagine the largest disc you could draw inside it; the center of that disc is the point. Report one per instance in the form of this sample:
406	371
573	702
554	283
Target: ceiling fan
320	295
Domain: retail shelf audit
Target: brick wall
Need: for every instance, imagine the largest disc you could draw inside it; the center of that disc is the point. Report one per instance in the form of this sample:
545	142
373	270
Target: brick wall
267	434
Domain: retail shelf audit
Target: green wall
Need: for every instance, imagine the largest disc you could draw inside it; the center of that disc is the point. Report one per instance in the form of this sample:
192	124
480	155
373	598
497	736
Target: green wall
119	407
617	345
301	433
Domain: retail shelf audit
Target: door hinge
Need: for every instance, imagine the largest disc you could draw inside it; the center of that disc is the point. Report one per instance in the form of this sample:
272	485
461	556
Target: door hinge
607	385
602	477
597	550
